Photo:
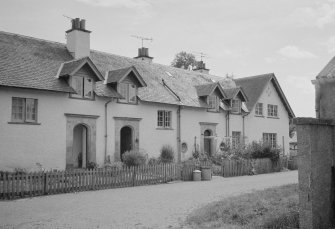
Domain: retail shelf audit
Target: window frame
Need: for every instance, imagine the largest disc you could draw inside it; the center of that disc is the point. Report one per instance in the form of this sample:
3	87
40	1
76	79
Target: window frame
272	111
239	106
127	99
83	88
213	103
270	138
25	111
259	109
164	119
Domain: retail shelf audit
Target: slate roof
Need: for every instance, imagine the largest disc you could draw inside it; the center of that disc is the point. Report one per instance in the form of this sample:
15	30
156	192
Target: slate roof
28	62
104	90
328	71
254	86
68	68
115	75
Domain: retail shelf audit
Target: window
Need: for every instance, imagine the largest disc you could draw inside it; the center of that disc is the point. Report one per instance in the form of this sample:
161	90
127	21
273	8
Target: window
213	103
236	139
259	109
236	106
272	110
129	92
164	119
83	86
24	110
271	139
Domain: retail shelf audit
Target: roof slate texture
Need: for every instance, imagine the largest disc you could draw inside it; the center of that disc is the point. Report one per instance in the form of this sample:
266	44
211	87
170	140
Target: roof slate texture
115	75
205	89
32	63
28	62
328	71
253	87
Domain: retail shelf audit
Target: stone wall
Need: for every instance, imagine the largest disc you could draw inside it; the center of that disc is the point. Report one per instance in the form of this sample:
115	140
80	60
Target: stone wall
315	161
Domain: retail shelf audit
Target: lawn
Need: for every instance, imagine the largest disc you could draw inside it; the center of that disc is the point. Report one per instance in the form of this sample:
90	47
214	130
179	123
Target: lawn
270	208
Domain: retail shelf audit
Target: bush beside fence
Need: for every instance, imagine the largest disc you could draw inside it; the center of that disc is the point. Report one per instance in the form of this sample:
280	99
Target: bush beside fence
232	168
20	185
44	183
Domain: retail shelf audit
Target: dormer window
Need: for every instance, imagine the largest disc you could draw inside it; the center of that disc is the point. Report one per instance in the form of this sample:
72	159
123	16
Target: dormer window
84	87
128	92
213	103
236	106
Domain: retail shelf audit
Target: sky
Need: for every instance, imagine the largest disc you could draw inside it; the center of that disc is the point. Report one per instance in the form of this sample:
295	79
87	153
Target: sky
293	39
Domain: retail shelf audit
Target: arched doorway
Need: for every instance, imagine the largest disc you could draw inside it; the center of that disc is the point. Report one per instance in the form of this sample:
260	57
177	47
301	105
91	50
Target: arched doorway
126	135
208	142
78	158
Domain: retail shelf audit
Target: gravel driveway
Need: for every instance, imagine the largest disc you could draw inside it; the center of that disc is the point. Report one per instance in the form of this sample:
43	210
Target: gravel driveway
156	206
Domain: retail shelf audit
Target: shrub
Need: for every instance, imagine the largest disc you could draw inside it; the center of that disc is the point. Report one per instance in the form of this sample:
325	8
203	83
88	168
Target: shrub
264	150
167	154
91	165
133	158
154	161
112	165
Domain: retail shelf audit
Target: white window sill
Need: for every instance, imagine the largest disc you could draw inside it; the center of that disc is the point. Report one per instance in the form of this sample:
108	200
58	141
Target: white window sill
273	117
25	123
164	128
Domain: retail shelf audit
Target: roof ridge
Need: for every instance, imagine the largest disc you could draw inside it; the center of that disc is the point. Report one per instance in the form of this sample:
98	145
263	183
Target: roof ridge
103	52
154	63
34	38
256	76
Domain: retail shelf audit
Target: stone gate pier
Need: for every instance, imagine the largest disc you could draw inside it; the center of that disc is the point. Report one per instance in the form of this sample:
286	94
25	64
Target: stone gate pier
316	141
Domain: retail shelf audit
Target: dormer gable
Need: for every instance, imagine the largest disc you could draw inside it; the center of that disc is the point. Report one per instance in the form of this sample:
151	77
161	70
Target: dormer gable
236	98
212	94
81	74
126	81
70	68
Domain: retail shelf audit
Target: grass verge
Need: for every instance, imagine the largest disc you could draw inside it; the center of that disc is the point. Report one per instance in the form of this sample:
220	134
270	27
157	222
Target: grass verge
273	208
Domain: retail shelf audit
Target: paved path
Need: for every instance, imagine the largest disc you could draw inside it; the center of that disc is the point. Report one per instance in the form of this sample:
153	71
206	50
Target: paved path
156	206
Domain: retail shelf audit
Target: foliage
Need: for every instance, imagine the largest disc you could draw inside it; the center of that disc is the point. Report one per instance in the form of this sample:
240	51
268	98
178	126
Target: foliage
292	130
183	60
200	156
269	208
264	150
251	151
112	165
167	154
91	165
154	161
133	158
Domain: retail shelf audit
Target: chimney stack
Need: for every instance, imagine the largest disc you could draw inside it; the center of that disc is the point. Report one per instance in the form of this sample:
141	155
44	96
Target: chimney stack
143	54
201	67
78	39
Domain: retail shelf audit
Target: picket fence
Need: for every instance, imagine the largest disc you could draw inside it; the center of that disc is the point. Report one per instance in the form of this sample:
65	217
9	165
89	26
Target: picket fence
20	185
45	183
231	168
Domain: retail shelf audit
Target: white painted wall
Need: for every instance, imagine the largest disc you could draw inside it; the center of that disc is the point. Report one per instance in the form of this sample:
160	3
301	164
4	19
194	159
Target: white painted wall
256	126
190	127
22	146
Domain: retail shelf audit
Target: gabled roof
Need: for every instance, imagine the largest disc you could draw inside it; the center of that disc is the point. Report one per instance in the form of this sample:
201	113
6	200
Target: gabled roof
328	71
32	63
231	93
104	90
208	89
254	86
69	68
118	75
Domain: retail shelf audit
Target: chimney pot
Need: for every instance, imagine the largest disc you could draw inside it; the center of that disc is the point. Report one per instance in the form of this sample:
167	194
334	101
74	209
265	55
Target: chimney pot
77	23
82	24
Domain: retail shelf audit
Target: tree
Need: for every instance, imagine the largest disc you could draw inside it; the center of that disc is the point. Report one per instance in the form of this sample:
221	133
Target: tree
183	60
291	130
